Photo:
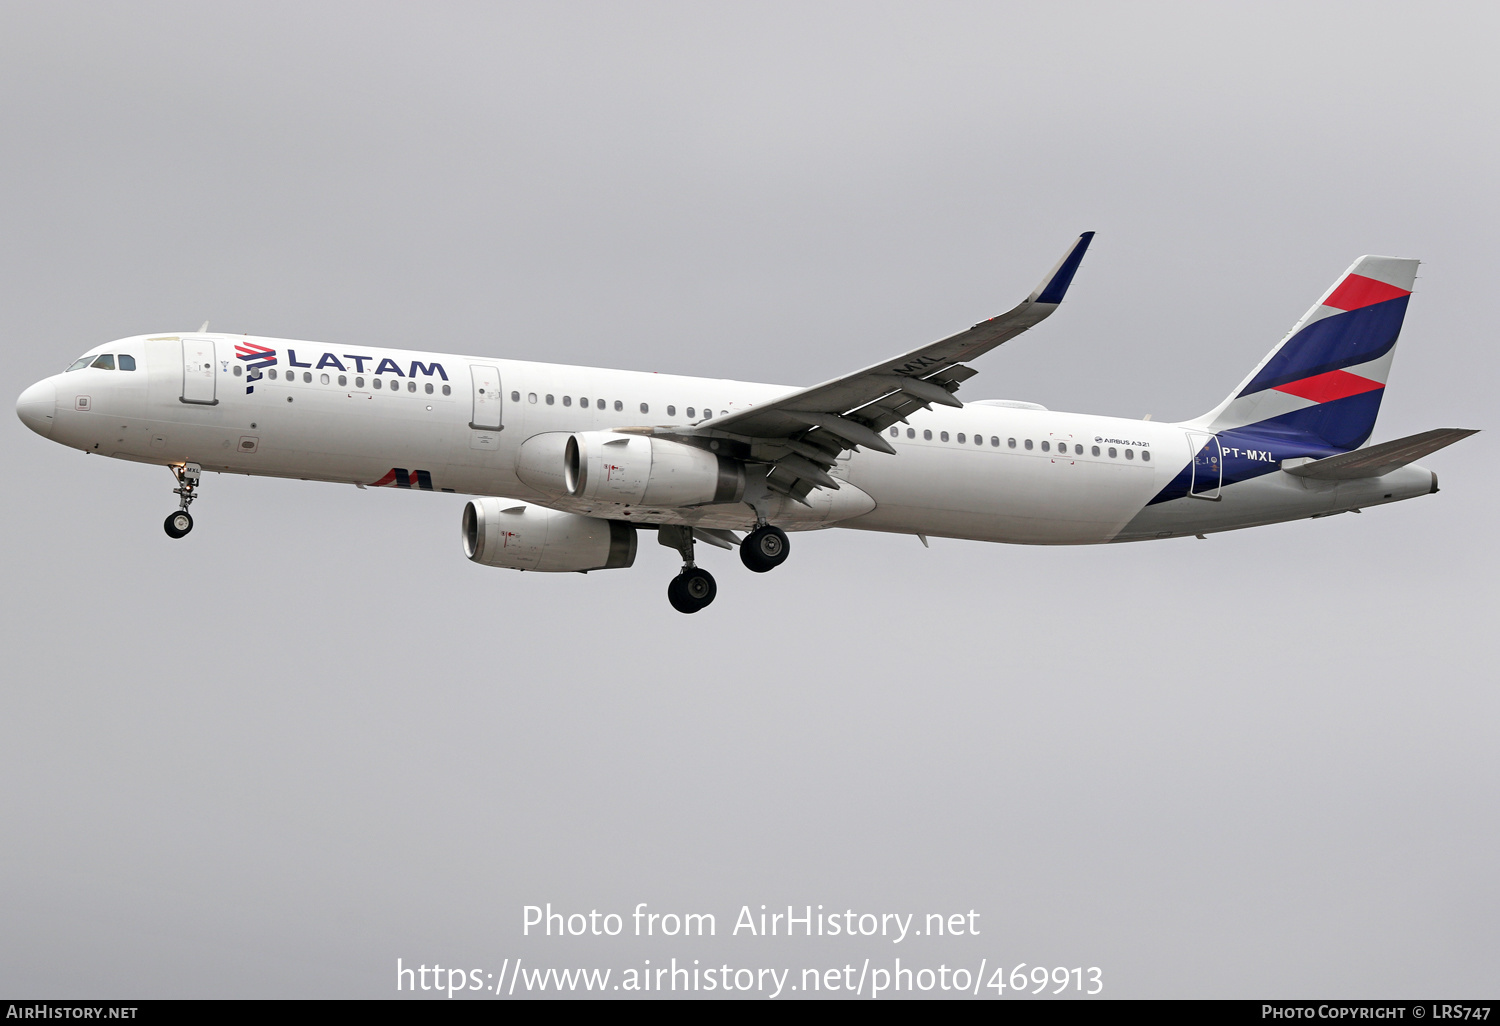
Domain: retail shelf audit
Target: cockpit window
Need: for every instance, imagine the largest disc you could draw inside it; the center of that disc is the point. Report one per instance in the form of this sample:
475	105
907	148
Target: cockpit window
82	362
127	362
106	361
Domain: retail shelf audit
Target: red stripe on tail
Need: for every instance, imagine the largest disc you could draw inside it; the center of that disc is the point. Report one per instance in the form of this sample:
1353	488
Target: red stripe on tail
1356	291
1324	388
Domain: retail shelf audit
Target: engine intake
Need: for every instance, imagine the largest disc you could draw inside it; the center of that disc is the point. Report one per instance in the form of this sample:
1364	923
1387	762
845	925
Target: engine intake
633	470
520	536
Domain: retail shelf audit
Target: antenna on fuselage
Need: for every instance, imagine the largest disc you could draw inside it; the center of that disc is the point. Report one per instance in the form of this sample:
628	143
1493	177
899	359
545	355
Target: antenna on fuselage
204	328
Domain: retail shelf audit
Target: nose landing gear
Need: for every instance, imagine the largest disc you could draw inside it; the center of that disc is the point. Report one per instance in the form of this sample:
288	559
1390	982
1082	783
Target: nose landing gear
181	522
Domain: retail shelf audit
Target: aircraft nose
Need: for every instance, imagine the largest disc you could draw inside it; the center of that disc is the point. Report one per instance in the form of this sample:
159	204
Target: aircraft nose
37	406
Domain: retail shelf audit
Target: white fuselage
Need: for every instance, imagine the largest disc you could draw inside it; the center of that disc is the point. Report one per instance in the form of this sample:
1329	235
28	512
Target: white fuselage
355	414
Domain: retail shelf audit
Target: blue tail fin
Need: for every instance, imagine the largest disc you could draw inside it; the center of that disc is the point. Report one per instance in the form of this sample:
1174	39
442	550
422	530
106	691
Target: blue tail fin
1318	392
1321	386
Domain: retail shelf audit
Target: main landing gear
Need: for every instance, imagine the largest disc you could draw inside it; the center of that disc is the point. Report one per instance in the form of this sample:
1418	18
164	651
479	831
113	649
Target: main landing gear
764	548
693	588
181	522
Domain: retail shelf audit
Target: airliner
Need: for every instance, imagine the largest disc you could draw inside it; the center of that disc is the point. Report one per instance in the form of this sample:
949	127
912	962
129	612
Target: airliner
568	465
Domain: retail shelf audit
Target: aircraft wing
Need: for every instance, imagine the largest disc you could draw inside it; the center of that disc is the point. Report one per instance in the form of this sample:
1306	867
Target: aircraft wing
803	434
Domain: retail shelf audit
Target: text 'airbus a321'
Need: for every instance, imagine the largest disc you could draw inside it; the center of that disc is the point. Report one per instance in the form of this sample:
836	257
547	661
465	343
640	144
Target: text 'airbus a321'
570	464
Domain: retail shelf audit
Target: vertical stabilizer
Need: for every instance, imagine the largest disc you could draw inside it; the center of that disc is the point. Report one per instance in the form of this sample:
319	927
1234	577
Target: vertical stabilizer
1321	386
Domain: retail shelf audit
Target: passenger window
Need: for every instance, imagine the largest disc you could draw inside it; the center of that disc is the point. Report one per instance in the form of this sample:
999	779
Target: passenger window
995	441
105	362
1046	446
237	370
707	413
979	439
1010	443
323	378
515	397
1077	450
1145	455
81	362
359	382
1095	450
127	362
1112	453
343	380
531	397
599	404
961	438
619	406
927	435
943	436
1028	443
272	373
911	432
645	408
895	432
583	403
1130	454
549	399
307	377
375	382
447	390
411	386
671	411
567	400
690	413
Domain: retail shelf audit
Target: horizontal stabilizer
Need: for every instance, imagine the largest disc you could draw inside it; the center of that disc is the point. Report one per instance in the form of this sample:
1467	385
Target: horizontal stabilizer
1376	460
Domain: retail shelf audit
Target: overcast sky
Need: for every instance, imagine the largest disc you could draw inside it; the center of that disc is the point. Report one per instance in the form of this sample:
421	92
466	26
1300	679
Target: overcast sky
272	758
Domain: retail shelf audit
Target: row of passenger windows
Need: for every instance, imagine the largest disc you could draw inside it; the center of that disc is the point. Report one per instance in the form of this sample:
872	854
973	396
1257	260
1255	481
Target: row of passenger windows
1026	443
104	361
359	381
601	404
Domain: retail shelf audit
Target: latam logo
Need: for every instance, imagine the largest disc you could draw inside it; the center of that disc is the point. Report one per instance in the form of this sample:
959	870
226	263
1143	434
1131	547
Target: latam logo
386	365
256	358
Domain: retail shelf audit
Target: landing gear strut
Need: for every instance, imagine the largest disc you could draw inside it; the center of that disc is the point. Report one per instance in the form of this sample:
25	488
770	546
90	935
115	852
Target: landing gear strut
693	588
181	522
764	548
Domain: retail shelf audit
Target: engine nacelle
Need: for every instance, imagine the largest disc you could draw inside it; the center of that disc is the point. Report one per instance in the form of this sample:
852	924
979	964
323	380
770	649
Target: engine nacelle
634	470
520	536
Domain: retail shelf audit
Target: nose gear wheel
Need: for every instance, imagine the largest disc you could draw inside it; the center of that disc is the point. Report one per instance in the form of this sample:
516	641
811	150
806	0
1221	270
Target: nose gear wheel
178	524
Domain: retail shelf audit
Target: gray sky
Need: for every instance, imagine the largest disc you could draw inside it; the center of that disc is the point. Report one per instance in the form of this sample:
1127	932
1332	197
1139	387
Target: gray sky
312	738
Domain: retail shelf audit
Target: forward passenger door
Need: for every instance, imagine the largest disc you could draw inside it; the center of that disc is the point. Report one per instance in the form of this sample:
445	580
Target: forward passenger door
199	385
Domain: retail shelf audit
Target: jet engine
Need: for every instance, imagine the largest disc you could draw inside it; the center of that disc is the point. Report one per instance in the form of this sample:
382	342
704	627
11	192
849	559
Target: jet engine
633	470
520	536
